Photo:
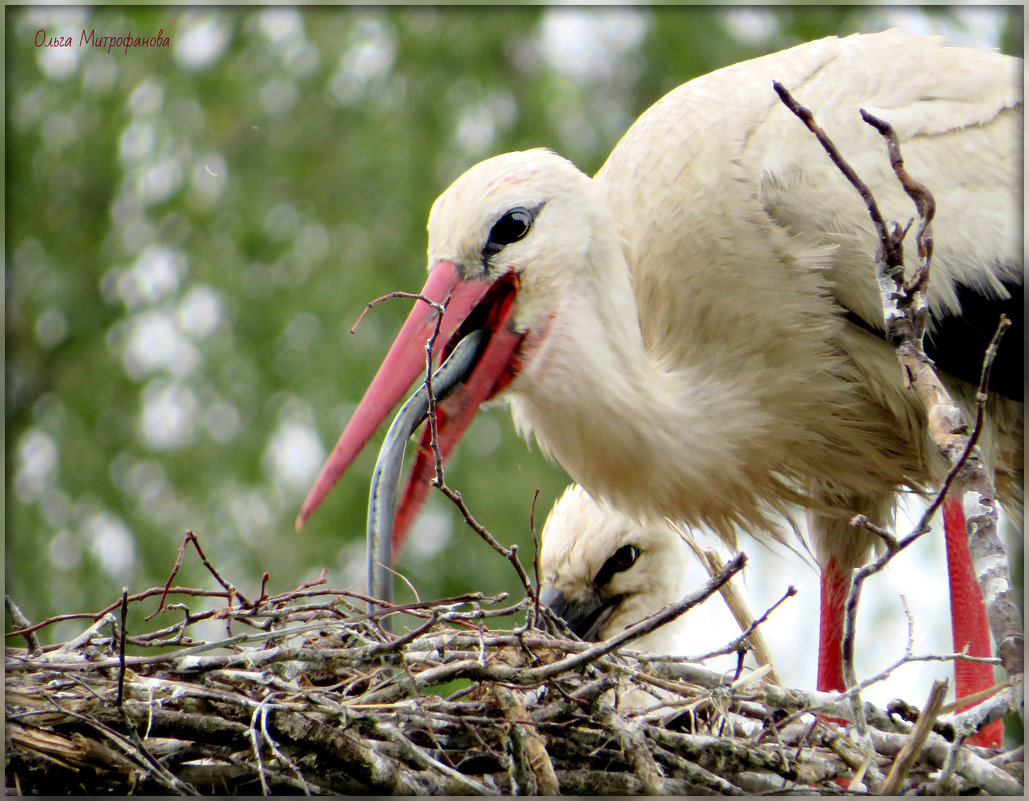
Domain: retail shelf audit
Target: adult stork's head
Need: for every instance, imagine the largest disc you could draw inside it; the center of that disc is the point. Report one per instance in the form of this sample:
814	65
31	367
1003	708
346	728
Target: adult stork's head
602	572
509	242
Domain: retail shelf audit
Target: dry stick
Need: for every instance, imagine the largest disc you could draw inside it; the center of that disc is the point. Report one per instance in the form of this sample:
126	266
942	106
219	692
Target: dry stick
969	475
535	675
892	254
23	624
85	637
526	741
808	119
50	621
750	631
647	625
905	313
427	645
916	742
535	561
252	735
391	296
889	261
191	537
895	546
510	554
437	457
467	784
278	752
988	708
239	639
190	618
630	739
136	750
121	645
264	586
749	626
925	205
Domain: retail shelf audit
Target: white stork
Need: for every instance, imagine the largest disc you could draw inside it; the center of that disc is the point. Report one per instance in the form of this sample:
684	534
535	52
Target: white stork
695	332
602	571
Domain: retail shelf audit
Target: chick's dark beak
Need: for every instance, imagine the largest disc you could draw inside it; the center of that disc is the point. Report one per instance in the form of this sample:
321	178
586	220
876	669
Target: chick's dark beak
586	617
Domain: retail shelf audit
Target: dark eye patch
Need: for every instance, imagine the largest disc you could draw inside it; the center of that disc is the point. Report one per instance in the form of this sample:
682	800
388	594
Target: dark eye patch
511	227
620	561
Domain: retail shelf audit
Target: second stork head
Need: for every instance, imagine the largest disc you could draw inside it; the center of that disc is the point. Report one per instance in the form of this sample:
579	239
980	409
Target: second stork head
602	572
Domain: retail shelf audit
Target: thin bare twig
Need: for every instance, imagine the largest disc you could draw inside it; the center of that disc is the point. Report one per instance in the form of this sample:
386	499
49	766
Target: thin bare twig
535	560
510	554
391	296
906	315
121	644
190	537
830	148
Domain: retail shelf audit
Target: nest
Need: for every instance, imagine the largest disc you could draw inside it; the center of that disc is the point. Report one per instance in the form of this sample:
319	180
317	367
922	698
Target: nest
308	693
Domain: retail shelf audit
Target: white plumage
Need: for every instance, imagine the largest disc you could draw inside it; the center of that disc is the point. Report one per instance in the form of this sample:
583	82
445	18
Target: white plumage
693	333
641	569
693	359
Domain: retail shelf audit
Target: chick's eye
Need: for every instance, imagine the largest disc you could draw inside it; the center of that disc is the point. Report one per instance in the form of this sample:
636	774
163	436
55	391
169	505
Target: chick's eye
620	561
514	225
624	558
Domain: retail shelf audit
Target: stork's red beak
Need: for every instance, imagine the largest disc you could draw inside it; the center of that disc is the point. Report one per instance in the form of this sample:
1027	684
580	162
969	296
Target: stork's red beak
469	305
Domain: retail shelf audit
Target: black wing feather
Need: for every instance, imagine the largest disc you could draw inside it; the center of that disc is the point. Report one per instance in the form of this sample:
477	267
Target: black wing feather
959	341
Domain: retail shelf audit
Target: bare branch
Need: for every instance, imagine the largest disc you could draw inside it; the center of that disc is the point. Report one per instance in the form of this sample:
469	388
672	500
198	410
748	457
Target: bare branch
390	296
906	314
909	753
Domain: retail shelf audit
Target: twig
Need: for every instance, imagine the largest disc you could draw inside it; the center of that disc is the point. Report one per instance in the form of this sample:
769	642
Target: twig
890	244
527	743
510	554
535	560
190	537
310	707
23	623
906	315
390	296
925	205
909	753
420	756
258	759
121	644
650	623
85	637
973	483
751	635
135	751
278	752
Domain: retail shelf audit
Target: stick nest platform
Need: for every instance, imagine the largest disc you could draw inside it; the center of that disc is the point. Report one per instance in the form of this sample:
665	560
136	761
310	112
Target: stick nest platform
304	692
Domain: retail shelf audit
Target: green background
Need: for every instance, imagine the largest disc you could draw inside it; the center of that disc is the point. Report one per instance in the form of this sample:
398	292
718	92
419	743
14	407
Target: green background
192	231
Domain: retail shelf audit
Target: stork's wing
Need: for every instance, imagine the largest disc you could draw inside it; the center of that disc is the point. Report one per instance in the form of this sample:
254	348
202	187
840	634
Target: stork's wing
959	118
959	341
958	113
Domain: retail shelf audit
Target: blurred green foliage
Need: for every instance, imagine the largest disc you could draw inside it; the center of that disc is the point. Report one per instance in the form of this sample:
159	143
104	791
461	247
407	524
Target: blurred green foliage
193	230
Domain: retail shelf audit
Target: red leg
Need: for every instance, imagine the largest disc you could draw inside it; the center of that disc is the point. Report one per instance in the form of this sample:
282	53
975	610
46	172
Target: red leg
968	620
830	638
830	630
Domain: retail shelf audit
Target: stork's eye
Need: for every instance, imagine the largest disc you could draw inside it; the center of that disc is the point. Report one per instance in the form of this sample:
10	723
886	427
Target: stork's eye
514	225
620	561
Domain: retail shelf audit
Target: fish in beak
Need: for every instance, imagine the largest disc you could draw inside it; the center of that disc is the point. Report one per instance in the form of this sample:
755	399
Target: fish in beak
469	305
